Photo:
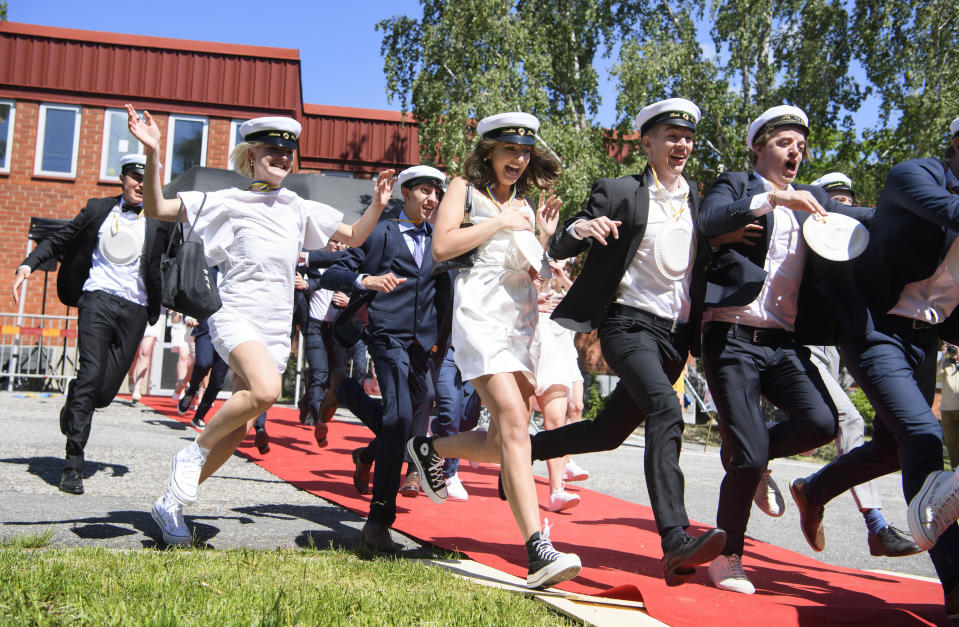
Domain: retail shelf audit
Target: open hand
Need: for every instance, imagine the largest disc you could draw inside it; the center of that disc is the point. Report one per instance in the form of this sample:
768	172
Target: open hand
145	130
598	228
748	235
547	215
383	189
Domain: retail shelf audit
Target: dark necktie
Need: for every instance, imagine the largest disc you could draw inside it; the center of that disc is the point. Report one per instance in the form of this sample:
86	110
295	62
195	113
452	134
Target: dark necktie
417	234
128	207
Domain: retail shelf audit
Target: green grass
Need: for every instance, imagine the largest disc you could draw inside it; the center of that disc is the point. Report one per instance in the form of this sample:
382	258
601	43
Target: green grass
29	540
92	586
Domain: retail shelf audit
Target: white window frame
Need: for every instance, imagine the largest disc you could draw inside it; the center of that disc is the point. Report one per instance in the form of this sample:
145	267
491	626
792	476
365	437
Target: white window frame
234	129
171	127
41	130
138	147
9	153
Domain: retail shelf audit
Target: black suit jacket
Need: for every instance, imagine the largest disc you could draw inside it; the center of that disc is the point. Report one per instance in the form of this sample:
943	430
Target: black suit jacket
625	199
736	275
916	221
74	244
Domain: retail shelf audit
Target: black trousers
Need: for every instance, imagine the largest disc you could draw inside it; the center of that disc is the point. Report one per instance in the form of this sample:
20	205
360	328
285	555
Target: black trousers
207	361
109	330
738	372
403	375
647	360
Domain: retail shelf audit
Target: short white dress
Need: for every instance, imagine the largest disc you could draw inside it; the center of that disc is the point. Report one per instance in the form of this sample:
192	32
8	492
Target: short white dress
494	304
255	239
554	355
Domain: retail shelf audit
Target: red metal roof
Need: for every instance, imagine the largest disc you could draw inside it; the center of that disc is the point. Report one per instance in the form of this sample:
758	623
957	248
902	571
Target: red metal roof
357	139
106	68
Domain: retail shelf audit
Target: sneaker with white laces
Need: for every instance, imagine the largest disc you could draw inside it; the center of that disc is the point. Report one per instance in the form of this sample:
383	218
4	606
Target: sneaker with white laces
934	508
430	467
183	404
561	500
573	472
185	473
547	566
167	512
726	573
768	498
455	490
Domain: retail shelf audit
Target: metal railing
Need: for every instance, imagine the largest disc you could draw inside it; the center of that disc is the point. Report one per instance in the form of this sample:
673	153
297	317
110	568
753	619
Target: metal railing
37	352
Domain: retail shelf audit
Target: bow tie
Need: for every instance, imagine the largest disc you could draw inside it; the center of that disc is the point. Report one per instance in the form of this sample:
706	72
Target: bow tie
128	207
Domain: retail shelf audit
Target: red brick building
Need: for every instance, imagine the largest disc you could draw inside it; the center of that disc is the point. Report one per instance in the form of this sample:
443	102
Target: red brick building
63	128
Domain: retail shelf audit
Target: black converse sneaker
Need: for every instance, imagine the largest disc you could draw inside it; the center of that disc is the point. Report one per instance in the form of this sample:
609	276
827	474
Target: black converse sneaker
430	467
547	566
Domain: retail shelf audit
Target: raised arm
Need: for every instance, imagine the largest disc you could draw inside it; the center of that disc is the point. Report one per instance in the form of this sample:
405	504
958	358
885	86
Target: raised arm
154	204
355	234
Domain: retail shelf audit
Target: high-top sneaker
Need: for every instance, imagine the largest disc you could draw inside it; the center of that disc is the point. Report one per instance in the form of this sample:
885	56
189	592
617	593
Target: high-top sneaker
547	566
185	473
167	512
430	467
934	508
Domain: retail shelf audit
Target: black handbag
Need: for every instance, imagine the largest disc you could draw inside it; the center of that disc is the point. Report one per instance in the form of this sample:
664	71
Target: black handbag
187	284
466	259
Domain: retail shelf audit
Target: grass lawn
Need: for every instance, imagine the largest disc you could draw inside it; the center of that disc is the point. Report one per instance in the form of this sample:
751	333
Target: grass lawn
91	586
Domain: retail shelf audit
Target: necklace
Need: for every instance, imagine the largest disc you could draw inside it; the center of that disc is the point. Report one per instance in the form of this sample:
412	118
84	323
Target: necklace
677	213
499	205
262	186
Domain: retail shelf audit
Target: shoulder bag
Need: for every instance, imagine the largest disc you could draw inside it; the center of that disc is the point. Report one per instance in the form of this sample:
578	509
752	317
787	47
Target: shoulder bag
465	260
187	285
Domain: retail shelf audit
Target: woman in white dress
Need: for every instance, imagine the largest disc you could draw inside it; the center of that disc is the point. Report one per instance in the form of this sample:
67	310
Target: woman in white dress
494	318
254	236
557	369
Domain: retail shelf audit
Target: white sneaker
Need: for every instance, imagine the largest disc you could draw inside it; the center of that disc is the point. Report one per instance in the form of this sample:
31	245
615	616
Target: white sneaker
934	508
726	573
561	500
185	473
455	489
768	498
573	472
167	512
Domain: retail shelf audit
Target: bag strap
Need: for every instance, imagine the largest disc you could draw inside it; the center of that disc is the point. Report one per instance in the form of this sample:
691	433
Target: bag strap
179	216
469	199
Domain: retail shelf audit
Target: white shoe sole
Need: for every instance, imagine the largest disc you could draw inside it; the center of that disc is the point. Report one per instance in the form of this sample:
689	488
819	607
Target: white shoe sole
436	497
563	569
565	505
920	533
169	538
175	489
735	585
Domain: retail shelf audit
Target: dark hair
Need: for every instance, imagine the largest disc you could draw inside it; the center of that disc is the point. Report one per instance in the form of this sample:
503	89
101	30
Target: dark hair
950	150
542	171
762	138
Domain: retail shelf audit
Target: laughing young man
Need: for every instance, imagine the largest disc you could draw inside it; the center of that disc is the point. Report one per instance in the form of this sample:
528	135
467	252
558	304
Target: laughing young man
749	345
642	287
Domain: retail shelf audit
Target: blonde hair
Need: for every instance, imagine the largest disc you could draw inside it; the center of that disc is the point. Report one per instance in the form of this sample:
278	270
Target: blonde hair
241	160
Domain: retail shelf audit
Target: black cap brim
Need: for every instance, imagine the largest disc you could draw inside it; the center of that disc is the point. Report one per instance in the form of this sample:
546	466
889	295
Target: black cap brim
522	140
670	122
279	141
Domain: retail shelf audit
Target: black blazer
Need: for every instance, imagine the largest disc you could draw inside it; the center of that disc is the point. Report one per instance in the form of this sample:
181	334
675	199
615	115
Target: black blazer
74	245
736	275
916	221
626	199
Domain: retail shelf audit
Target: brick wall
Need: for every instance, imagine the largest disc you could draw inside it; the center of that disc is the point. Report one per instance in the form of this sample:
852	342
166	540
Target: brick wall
24	195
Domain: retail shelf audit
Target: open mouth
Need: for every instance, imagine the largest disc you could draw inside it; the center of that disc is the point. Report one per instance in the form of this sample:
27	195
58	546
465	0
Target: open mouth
677	160
511	172
791	166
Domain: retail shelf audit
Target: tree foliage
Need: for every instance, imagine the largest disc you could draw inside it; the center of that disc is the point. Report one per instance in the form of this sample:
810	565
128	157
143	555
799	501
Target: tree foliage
460	61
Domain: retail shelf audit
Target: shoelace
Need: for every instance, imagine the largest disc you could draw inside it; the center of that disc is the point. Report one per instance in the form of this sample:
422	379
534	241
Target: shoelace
543	547
736	567
194	466
947	511
435	469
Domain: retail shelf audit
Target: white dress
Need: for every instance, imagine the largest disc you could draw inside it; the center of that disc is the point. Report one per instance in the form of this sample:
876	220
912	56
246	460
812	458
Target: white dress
255	239
554	355
494	304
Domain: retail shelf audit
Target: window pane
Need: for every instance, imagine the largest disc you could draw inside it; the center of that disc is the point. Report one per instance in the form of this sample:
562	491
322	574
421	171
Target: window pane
119	142
58	141
4	134
187	146
237	138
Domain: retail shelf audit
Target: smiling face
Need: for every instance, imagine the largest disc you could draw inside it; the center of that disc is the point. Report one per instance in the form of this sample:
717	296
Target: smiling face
509	161
271	163
668	148
421	201
778	159
132	185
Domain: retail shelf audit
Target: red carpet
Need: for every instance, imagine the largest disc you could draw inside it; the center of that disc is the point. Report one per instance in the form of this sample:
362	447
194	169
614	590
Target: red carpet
615	539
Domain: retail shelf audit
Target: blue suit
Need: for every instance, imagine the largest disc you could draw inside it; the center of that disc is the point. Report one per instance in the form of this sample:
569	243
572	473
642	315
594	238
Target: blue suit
894	358
402	338
743	363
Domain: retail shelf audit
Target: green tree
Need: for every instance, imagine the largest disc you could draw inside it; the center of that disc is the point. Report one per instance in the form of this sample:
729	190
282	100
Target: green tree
3	11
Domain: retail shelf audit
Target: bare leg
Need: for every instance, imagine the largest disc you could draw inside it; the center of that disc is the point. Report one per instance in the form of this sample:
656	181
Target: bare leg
141	366
553	404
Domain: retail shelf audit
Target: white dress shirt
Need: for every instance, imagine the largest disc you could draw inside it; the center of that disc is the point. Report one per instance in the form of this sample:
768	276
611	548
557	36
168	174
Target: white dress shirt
933	299
124	281
776	304
320	303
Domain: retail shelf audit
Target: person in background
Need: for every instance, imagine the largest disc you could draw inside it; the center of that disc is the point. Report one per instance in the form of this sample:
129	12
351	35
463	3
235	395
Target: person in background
140	368
949	402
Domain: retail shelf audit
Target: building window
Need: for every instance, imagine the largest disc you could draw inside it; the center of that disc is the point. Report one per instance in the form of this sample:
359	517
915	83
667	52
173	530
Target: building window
340	173
186	145
58	137
234	139
117	141
7	111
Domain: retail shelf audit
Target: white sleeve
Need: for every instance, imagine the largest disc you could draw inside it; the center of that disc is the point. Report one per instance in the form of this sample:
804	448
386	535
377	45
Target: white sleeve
213	228
320	224
759	204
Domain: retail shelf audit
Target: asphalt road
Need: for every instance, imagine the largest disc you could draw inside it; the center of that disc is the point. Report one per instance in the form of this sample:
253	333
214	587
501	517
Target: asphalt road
245	506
